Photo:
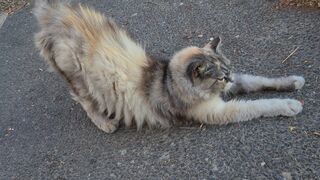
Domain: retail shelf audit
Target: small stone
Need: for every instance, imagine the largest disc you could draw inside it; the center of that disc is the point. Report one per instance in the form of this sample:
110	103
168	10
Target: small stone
214	167
135	14
113	175
292	128
263	164
123	152
286	176
165	156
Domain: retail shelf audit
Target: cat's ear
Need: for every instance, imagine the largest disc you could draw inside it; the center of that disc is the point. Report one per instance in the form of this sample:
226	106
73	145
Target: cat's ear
214	44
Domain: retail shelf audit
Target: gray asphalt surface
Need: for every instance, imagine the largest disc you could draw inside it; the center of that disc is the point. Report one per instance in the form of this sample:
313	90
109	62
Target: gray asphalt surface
45	135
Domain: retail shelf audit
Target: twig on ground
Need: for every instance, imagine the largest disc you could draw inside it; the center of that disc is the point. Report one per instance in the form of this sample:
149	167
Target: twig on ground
290	55
201	125
316	133
11	6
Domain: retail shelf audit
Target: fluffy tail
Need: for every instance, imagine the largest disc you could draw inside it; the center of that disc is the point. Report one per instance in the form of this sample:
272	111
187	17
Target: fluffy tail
46	13
44	10
82	29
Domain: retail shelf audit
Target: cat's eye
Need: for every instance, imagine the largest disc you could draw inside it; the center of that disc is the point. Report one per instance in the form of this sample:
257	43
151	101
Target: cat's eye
201	69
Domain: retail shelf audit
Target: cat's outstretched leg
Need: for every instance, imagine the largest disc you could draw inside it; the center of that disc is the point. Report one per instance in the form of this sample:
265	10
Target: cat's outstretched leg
244	83
216	111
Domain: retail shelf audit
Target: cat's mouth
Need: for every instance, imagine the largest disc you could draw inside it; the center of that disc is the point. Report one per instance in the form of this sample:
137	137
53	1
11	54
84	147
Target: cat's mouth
215	82
224	79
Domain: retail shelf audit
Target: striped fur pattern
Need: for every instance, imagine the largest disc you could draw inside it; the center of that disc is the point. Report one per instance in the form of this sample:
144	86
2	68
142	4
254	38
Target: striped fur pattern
114	79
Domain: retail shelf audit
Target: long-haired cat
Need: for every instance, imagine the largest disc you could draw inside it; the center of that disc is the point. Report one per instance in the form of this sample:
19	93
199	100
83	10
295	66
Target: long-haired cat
114	79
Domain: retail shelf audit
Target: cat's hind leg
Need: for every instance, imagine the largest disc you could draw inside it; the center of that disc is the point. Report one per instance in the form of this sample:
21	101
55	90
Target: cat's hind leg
64	52
244	83
101	120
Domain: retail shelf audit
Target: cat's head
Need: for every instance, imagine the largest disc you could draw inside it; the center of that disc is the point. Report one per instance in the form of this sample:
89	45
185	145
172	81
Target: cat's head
205	71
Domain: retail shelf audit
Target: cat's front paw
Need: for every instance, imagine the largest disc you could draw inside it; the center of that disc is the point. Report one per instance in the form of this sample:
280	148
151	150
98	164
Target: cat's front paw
298	81
291	107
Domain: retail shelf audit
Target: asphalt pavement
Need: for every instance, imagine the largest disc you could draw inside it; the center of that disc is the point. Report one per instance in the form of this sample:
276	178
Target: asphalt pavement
46	135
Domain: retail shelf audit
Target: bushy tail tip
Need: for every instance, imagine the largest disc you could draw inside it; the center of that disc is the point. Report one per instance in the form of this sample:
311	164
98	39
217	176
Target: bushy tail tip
43	10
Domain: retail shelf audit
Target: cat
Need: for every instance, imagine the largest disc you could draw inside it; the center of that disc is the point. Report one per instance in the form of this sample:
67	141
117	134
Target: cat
114	79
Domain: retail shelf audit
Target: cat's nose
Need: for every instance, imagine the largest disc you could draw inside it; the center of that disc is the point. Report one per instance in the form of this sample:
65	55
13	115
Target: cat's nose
224	76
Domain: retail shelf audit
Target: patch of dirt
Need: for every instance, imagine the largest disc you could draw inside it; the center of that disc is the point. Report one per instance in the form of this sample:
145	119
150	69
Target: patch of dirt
11	6
301	3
